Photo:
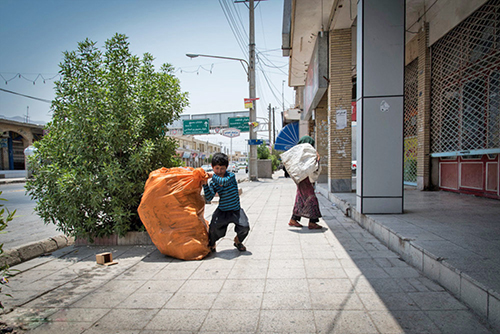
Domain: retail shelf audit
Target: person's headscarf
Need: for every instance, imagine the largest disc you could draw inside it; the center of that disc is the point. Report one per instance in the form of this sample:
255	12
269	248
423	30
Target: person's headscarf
306	139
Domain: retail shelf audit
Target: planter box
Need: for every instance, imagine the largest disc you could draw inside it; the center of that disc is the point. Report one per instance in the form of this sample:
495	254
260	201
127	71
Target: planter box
264	168
131	238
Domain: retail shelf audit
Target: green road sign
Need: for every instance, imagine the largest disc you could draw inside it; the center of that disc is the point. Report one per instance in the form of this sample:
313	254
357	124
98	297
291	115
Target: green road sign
240	123
195	126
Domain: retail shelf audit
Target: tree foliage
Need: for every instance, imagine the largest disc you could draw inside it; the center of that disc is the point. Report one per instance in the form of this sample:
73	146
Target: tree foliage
4	269
107	134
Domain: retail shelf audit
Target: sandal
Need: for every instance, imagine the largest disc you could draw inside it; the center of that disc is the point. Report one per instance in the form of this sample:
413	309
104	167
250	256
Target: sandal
294	223
239	246
314	226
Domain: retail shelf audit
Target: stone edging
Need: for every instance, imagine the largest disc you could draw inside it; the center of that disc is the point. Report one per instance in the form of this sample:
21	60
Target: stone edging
27	252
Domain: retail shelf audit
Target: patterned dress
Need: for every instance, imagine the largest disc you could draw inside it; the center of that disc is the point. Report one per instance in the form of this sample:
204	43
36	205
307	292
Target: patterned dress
306	202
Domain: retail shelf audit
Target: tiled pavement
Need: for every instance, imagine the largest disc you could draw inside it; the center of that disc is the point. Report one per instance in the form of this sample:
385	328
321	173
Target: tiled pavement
337	280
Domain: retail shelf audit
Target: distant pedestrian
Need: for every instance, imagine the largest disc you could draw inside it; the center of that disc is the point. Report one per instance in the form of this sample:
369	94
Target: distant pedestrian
229	211
306	202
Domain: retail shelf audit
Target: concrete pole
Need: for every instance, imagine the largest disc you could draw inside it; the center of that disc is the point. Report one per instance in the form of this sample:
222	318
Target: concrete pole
269	125
252	167
274	129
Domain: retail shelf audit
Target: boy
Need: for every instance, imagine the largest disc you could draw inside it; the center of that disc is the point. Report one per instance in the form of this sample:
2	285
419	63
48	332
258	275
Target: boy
229	211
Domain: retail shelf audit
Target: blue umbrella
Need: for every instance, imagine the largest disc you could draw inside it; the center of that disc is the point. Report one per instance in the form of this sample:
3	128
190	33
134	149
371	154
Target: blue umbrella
288	137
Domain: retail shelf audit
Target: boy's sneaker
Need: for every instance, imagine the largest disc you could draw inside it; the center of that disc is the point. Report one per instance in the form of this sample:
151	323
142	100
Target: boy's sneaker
239	245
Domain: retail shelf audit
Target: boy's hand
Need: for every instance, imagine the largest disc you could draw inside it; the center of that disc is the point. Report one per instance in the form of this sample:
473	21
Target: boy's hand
210	175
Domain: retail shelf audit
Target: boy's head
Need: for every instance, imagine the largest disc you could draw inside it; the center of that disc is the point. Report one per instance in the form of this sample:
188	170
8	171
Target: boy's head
220	163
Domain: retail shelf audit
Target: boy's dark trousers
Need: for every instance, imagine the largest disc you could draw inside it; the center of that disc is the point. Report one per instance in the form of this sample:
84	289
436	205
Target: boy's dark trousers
220	221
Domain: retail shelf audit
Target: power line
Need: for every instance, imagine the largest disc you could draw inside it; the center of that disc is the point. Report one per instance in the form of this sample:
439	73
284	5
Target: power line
29	97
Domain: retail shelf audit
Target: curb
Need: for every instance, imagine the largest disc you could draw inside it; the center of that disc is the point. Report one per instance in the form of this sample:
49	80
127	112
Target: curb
27	252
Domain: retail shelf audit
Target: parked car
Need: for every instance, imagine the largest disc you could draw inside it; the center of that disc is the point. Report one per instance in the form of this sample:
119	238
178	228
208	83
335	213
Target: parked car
207	168
232	168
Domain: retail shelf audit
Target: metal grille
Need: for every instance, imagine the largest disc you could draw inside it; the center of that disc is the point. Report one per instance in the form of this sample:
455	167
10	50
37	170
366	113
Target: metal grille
465	84
410	122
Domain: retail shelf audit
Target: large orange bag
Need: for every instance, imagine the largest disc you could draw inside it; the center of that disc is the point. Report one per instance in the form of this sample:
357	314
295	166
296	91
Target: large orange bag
172	210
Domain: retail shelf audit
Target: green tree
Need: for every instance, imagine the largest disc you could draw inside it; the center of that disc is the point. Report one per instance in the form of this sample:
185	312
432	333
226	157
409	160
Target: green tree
107	134
4	269
263	151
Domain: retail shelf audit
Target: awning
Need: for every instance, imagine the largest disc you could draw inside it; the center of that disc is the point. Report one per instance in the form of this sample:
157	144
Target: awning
288	137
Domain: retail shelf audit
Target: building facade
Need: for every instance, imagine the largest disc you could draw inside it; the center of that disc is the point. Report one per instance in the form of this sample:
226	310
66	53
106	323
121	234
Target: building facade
194	152
423	78
16	137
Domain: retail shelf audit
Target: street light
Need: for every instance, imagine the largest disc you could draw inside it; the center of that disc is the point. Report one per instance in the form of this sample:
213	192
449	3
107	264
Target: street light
192	55
250	71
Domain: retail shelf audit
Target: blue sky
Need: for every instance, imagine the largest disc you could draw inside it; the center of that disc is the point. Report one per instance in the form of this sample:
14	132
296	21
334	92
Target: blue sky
34	34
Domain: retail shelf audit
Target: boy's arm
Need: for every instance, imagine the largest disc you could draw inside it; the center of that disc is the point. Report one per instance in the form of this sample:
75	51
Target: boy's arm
224	181
209	192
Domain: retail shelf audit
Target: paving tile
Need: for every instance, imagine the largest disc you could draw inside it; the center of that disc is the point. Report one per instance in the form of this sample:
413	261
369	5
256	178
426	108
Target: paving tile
286	286
235	321
388	301
61	327
324	285
386	322
78	315
126	319
286	273
415	322
436	301
337	322
191	301
195	285
290	301
177	320
243	286
238	301
457	321
161	286
286	321
336	301
145	300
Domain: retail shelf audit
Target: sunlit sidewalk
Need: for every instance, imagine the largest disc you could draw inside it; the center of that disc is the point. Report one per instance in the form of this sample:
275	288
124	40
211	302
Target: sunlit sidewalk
290	280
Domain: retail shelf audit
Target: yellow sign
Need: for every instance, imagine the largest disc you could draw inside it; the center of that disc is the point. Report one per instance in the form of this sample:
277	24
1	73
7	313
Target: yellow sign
249	103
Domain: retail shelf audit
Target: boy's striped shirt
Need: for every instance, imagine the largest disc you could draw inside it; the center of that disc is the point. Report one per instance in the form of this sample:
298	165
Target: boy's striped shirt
227	188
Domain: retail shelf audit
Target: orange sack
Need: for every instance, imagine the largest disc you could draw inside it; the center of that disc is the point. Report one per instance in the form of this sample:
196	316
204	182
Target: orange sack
172	210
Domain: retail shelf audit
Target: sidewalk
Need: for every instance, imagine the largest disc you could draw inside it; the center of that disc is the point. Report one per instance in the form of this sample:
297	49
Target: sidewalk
453	239
337	280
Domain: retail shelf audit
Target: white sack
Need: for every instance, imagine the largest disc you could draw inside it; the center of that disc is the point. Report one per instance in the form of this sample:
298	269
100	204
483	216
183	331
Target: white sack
300	161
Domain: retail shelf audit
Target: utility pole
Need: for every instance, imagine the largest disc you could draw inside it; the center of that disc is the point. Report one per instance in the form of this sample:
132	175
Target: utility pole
269	125
274	128
252	167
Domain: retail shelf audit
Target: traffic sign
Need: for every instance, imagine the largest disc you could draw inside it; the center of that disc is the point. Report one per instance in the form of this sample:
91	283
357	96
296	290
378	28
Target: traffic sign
240	123
231	133
255	141
195	126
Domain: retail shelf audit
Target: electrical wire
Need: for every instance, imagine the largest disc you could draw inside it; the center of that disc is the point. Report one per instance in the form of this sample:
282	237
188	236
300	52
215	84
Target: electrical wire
23	95
22	76
232	24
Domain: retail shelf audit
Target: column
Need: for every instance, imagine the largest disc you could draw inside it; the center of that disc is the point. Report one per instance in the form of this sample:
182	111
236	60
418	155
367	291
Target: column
321	134
380	96
339	114
424	110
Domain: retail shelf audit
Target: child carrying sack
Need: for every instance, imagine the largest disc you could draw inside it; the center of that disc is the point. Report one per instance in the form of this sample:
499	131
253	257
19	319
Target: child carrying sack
172	210
301	162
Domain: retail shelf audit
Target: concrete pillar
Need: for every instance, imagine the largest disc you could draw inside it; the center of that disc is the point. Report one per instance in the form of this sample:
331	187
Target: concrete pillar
321	134
424	110
339	114
380	96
